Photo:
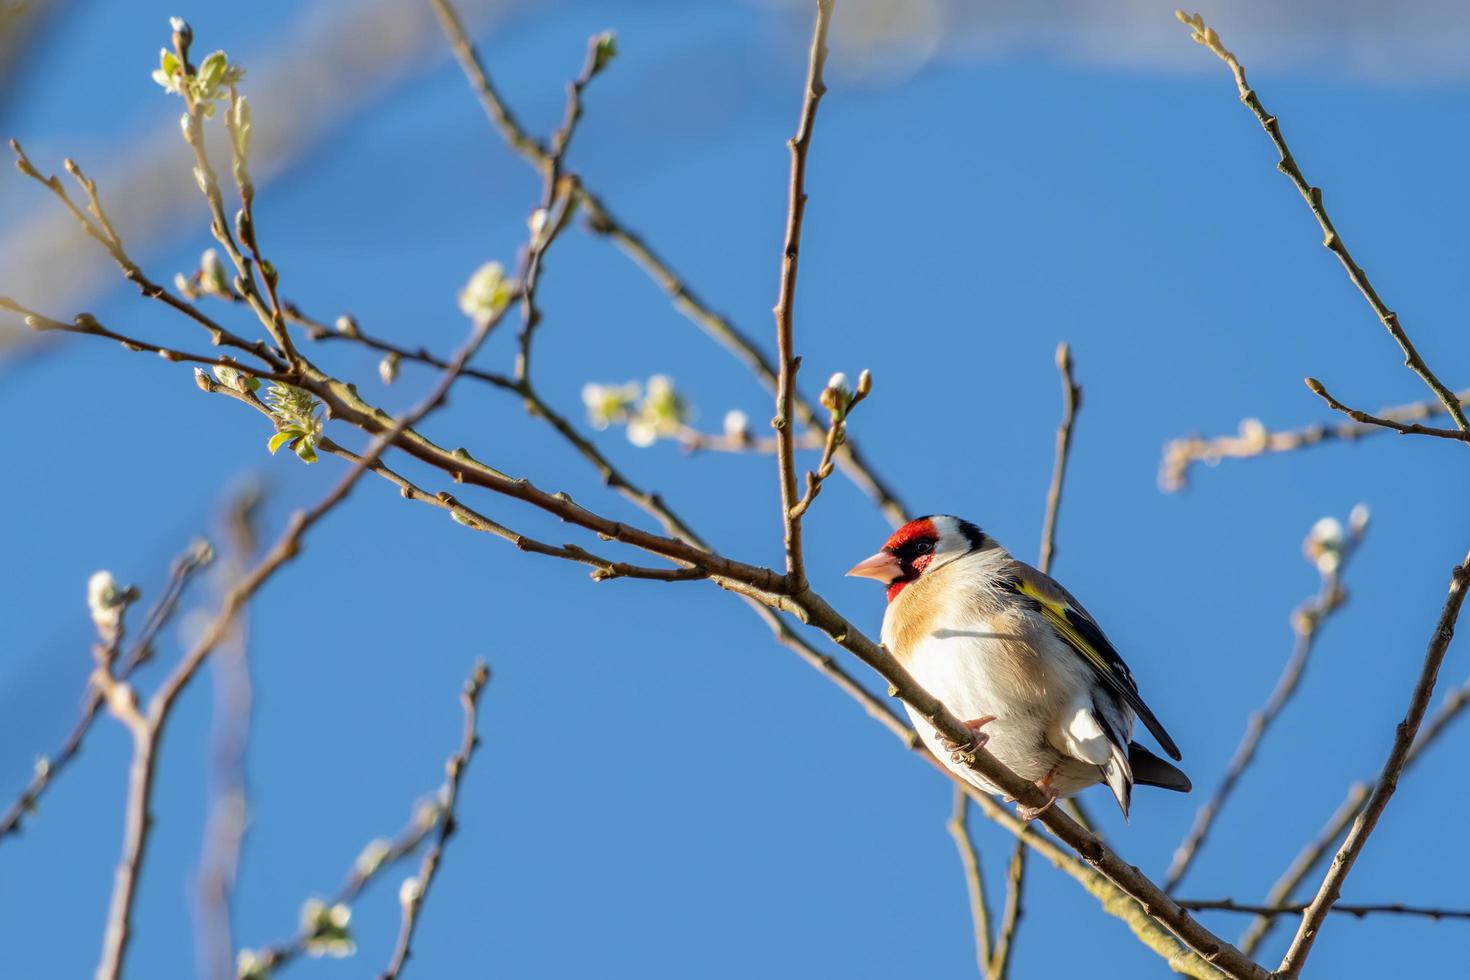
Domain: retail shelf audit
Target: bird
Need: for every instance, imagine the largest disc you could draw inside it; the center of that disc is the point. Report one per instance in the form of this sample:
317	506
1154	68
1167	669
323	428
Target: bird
1008	650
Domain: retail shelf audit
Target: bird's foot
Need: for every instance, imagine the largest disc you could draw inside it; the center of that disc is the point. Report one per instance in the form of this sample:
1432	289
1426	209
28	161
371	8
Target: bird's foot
978	739
1030	813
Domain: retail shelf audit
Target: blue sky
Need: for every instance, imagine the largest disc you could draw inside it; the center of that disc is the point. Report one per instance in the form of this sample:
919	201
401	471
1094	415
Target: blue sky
662	790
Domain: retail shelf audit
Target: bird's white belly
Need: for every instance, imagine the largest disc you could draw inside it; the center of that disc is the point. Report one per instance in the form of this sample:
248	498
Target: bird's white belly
977	671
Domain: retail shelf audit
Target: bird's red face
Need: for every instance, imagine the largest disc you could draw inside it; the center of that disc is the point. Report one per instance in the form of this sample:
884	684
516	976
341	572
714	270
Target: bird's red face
904	557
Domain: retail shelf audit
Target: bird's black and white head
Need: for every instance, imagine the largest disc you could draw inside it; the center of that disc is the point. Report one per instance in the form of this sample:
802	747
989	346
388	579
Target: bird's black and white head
921	546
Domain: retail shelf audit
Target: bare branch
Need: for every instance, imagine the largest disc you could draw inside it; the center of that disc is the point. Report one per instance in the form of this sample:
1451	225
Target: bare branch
1367	819
148	730
1312	854
1071	402
1306	622
1113	900
995	964
97	225
271	317
1005	942
1357	911
601	220
228	817
1254	439
840	402
1330	238
380	855
974	881
49	768
785	420
414	891
86	324
1364	418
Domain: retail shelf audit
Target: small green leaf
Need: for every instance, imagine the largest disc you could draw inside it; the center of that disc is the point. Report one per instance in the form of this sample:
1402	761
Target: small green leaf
305	451
211	71
606	49
280	439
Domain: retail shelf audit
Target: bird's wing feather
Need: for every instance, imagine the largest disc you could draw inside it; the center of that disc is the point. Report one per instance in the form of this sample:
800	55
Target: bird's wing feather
1072	624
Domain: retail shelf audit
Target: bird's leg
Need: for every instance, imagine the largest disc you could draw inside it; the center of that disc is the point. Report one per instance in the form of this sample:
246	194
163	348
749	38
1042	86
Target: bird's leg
1029	813
957	752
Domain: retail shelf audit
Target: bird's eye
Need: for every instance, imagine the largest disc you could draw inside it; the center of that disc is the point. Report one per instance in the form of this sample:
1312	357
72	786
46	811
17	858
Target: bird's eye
924	547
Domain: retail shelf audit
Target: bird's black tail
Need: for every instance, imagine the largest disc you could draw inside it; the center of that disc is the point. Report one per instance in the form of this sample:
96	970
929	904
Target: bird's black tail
1150	770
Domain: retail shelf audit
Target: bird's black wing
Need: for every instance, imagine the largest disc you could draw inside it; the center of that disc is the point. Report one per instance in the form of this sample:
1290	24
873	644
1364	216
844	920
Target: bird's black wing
1071	623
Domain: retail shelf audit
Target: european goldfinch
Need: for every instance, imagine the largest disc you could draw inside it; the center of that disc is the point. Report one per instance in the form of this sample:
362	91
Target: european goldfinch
1011	652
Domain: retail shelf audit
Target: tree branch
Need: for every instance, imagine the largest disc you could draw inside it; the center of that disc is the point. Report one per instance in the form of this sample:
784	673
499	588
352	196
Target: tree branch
414	891
1331	240
974	881
785	420
600	219
1357	911
1364	418
1071	402
1316	849
1383	790
994	964
49	768
228	815
1005	942
1254	439
1306	621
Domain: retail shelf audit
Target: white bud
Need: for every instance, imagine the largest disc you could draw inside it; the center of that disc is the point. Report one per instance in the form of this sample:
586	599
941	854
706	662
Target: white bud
1358	519
1327	533
737	425
103	600
388	368
409	892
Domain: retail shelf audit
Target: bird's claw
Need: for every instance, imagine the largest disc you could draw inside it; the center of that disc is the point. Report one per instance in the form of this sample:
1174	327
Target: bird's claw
978	739
1030	813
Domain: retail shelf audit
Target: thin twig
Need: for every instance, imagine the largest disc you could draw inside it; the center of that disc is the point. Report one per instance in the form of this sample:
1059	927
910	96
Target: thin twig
1315	850
148	729
840	402
1306	623
86	324
1005	941
762	585
994	965
1254	439
603	568
1363	418
785	420
974	881
412	895
1112	899
271	317
50	767
600	219
1149	909
100	229
1357	911
228	817
373	862
1071	401
1330	238
1383	789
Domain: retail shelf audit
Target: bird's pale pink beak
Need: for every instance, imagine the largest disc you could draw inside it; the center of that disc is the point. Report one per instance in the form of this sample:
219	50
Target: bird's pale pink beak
884	566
